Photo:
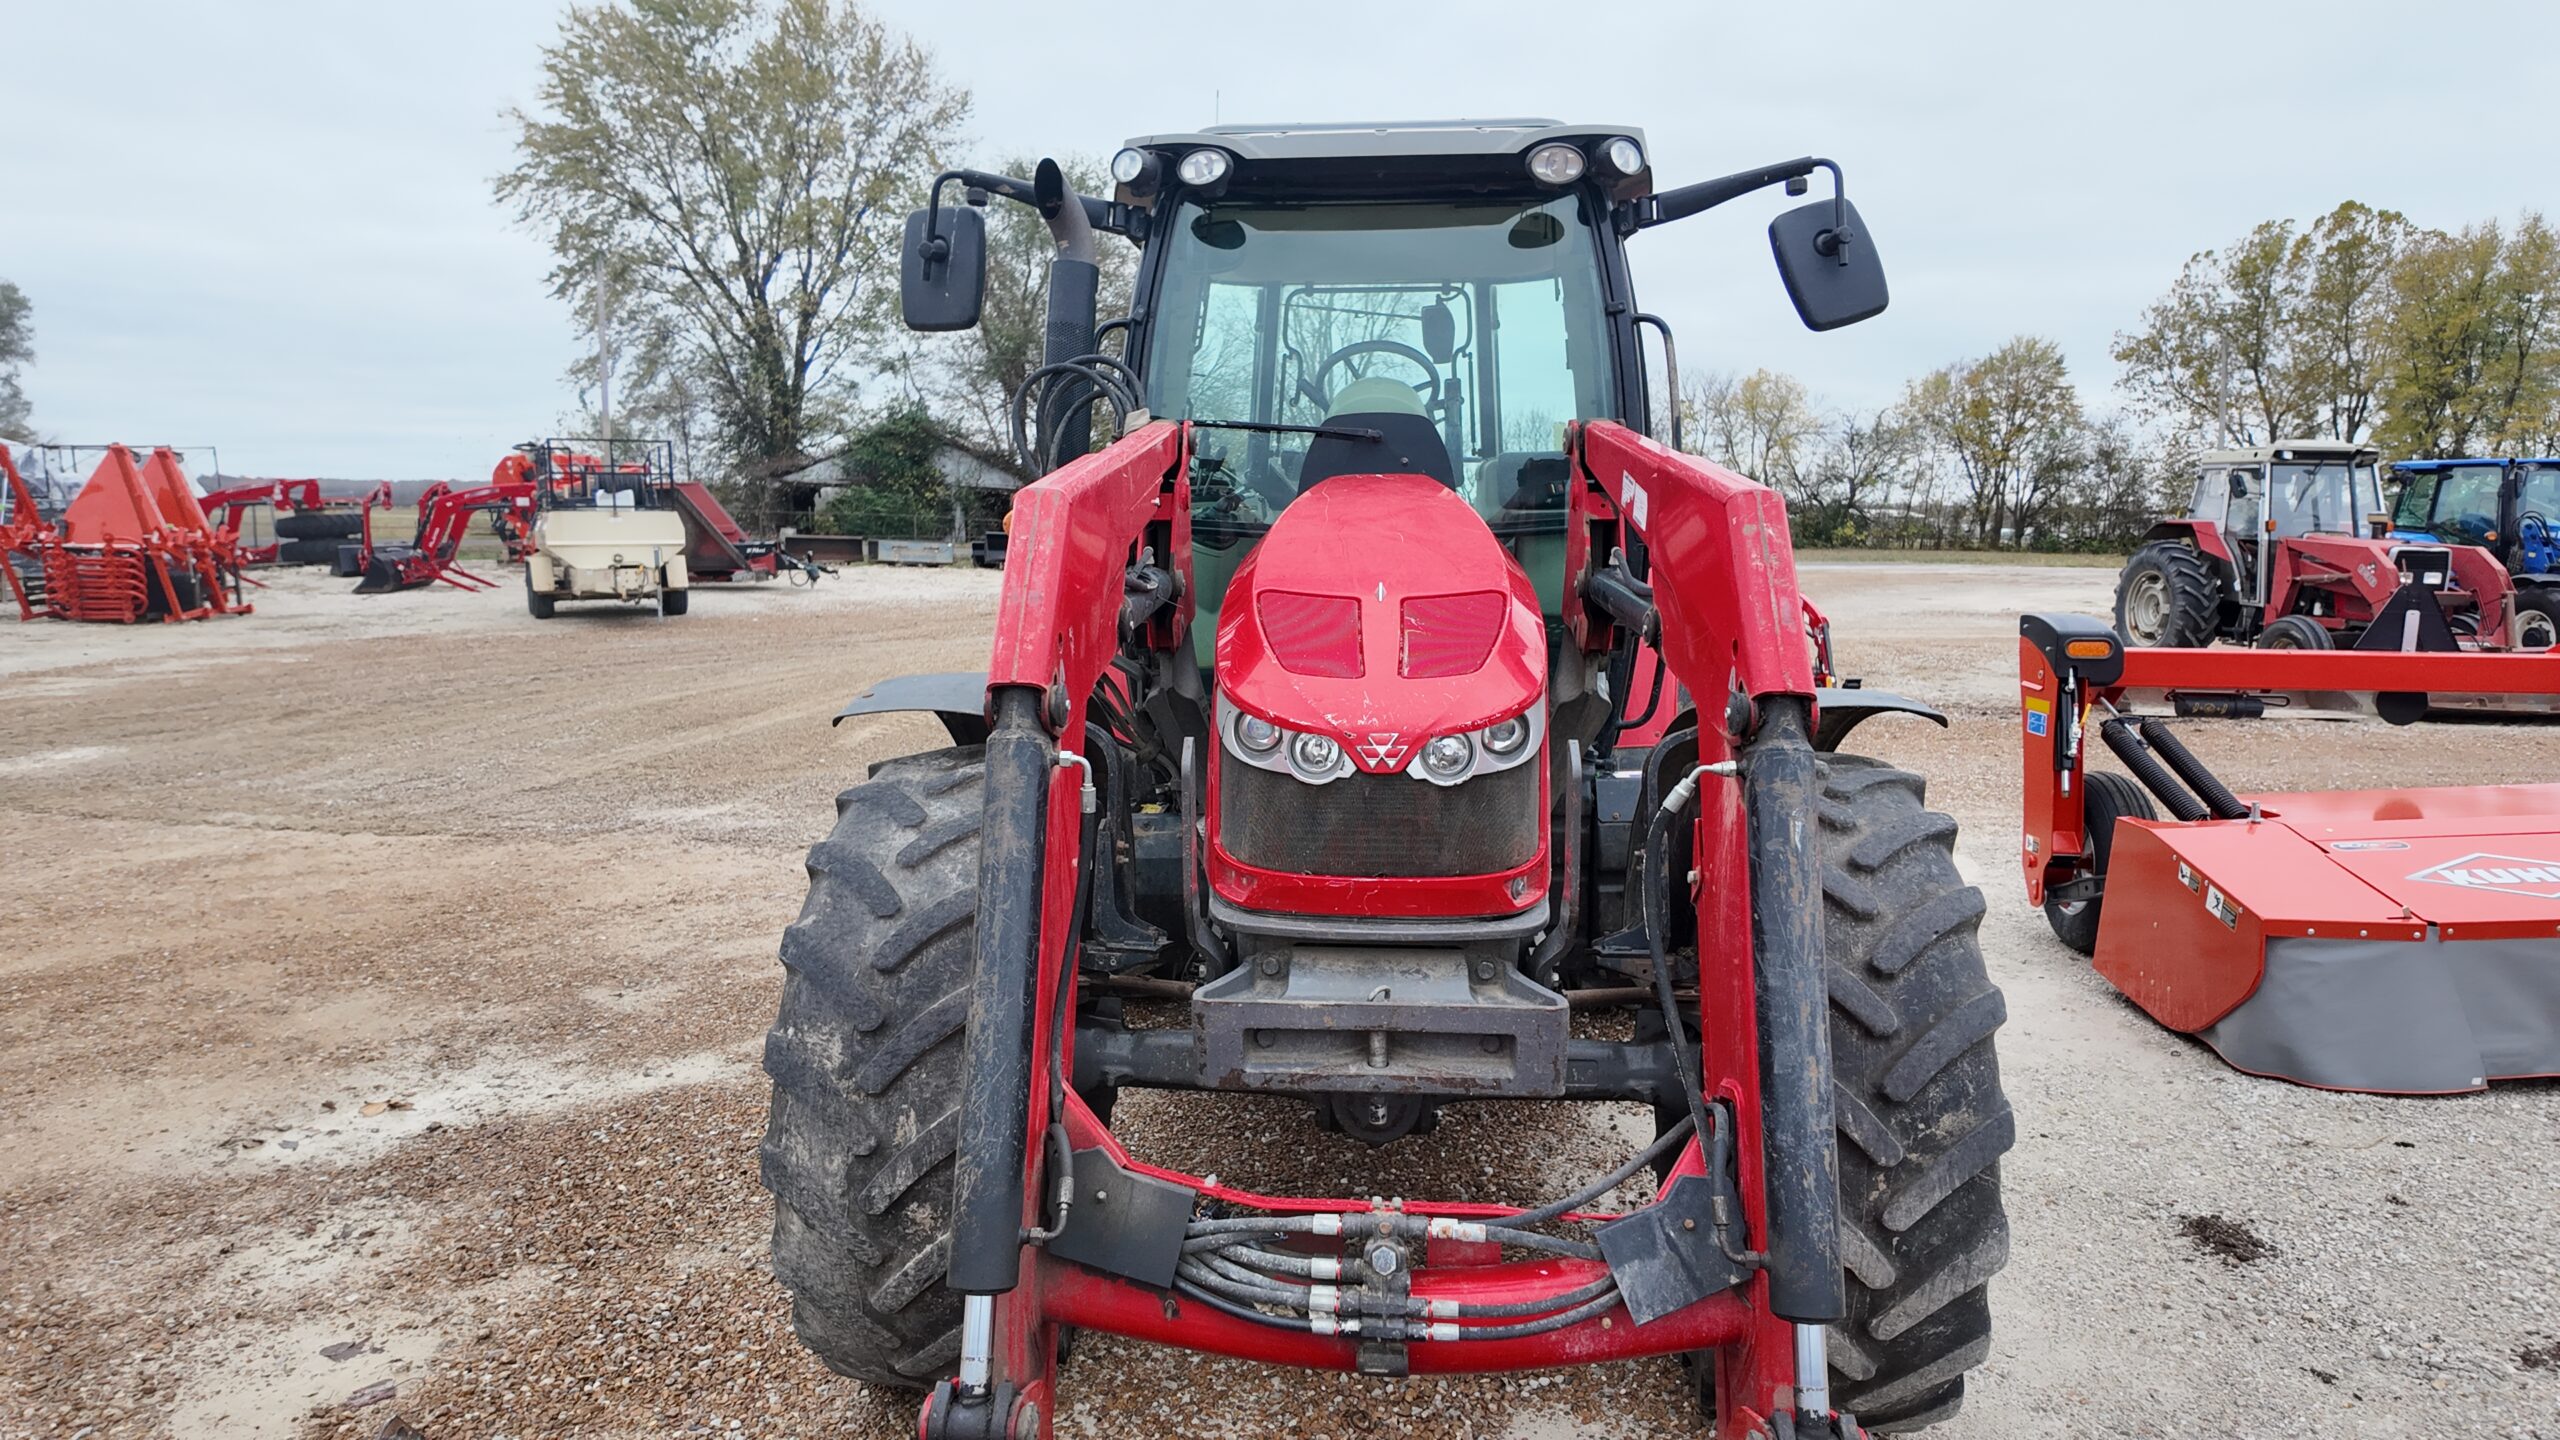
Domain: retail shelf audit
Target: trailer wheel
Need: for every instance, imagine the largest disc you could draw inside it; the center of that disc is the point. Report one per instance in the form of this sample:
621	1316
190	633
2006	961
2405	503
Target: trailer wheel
2167	596
2537	620
1922	1119
539	603
673	602
865	1060
2109	797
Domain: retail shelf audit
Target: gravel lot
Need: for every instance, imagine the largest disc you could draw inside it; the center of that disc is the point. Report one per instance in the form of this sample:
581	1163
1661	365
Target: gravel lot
382	981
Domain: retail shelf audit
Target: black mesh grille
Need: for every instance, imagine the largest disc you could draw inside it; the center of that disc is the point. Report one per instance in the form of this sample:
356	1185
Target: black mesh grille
1379	826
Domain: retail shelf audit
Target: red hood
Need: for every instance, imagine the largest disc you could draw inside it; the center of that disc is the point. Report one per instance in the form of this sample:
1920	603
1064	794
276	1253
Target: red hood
1317	632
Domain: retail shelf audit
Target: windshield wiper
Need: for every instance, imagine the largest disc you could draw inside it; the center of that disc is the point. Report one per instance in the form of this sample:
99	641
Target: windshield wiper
1265	427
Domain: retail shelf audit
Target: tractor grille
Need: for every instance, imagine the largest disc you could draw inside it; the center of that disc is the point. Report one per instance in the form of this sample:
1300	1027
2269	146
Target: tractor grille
1379	826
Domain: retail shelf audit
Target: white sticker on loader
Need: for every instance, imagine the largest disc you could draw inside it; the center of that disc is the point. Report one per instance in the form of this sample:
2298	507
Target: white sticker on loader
2224	908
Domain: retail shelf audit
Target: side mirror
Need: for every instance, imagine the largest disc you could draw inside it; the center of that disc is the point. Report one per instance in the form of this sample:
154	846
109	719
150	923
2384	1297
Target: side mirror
1830	264
942	268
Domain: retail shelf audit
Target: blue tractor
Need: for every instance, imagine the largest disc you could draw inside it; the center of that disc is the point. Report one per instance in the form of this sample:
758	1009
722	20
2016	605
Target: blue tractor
2506	507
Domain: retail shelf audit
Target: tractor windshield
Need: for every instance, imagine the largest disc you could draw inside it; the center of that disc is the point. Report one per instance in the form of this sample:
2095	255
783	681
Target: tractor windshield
2323	499
1485	318
2458	503
1479	321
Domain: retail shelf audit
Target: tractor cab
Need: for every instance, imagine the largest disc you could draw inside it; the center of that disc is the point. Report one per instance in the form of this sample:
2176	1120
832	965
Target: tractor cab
2285	492
2504	506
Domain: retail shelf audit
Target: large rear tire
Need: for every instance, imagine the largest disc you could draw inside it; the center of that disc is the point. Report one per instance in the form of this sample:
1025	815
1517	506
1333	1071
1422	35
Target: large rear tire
2109	797
1922	1119
865	1060
2167	596
320	525
2537	620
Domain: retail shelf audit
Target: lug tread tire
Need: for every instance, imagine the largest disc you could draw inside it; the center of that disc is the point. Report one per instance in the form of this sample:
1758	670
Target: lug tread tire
2195	596
865	1060
1922	1119
319	525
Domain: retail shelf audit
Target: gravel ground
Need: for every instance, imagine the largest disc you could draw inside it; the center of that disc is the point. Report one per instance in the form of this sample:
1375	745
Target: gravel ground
382	980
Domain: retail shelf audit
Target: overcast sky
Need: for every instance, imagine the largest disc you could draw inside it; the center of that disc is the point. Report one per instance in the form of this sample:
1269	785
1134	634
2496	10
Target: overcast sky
267	226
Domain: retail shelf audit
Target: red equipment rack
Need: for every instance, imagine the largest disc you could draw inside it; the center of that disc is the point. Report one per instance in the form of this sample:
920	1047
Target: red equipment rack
134	544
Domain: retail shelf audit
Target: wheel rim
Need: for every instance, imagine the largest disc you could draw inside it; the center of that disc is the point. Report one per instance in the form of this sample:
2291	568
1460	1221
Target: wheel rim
2146	607
2536	631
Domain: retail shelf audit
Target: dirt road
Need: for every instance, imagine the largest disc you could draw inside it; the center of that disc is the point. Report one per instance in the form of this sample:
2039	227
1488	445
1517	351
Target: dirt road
382	982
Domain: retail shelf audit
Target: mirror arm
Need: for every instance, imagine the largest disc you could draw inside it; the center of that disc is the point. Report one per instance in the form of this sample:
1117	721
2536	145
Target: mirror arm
1705	195
1107	215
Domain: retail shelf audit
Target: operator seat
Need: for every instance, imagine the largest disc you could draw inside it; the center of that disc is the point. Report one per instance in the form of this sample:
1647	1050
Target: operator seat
1408	443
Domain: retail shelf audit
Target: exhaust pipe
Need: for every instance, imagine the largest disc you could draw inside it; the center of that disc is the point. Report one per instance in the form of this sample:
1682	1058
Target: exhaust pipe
1075	289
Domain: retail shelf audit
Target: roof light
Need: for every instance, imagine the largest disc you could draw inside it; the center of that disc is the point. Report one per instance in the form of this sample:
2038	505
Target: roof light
1624	156
1557	164
1128	165
1204	166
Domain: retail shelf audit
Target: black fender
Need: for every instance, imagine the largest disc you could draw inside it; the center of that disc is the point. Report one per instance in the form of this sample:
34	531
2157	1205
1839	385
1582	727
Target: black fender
1842	710
958	698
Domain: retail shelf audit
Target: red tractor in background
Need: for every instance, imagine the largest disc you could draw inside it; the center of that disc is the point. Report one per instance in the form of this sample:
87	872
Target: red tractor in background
1313	721
2285	547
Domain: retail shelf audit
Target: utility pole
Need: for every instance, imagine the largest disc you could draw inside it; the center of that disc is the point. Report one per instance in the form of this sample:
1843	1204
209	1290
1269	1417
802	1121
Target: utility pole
604	354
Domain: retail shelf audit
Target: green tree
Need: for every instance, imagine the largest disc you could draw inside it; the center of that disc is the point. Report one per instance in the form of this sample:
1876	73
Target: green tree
2011	425
736	173
2279	334
2473	365
17	348
1761	425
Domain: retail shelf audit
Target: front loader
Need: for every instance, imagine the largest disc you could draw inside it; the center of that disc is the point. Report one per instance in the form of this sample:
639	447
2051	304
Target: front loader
1311	762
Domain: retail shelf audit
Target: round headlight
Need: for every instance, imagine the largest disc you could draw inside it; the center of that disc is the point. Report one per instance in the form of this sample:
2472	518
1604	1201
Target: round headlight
1624	155
1449	755
1203	167
1314	755
1257	734
1128	165
1551	164
1507	736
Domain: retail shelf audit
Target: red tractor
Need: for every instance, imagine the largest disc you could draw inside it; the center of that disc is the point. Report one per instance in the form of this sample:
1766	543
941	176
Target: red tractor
2285	547
1310	762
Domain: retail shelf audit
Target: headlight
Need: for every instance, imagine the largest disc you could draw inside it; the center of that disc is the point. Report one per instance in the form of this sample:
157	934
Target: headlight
1128	165
1557	164
1257	735
1203	167
1314	757
1624	155
1448	756
1456	759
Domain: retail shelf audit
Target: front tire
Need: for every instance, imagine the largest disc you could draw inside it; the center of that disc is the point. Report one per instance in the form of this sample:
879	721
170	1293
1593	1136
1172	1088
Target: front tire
1922	1119
2167	596
2537	620
865	1059
2295	632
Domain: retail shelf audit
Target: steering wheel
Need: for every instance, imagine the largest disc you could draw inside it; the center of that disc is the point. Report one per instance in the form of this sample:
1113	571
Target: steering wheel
1320	395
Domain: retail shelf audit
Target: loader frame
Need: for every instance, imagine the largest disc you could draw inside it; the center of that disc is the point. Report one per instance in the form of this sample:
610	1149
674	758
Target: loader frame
1732	626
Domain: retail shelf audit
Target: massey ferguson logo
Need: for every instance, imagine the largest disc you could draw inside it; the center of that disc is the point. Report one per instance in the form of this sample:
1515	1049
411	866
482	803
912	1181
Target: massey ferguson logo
1383	752
2369	573
2505	874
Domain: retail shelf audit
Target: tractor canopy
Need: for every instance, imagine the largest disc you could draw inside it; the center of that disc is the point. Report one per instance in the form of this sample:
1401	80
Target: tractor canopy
2301	487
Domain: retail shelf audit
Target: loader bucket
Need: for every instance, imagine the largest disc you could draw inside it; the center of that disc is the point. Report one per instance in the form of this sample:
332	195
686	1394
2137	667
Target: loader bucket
383	573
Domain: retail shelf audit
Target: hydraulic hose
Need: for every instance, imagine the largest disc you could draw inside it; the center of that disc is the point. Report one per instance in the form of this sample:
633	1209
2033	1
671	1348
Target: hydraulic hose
2146	767
2208	787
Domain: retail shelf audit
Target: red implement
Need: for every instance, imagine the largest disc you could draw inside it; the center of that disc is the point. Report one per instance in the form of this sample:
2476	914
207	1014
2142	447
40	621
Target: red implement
2387	940
133	545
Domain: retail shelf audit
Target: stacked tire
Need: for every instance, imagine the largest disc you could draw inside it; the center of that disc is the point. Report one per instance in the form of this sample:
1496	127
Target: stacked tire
313	537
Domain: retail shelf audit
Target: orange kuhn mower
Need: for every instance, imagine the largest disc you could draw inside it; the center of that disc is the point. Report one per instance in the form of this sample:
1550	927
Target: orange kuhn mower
2401	940
1312	723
